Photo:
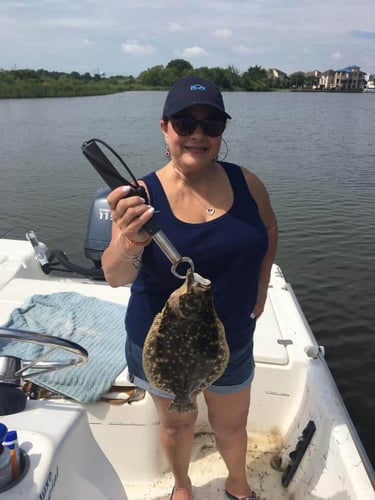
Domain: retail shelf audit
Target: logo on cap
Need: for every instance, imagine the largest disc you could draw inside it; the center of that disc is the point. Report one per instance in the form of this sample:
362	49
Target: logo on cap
197	86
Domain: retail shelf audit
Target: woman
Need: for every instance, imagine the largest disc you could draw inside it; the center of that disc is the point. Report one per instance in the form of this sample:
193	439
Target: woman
218	214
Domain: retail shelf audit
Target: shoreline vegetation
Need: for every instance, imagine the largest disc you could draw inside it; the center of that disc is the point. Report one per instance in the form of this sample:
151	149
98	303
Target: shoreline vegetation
28	83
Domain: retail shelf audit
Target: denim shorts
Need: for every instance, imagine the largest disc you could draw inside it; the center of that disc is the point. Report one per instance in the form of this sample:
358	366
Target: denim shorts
238	374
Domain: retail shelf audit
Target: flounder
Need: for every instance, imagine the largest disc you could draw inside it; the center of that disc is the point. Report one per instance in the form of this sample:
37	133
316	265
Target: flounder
185	349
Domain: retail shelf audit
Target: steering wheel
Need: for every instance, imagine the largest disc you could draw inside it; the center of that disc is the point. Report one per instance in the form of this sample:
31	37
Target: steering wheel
30	368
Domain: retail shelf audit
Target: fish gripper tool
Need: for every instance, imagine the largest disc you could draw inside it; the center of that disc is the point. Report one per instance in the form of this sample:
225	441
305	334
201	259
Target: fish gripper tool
114	179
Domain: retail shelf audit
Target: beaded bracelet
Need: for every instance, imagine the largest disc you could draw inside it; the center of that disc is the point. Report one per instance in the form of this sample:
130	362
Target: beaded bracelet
135	243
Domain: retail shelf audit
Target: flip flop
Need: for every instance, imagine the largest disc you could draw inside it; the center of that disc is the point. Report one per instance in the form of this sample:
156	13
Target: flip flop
233	497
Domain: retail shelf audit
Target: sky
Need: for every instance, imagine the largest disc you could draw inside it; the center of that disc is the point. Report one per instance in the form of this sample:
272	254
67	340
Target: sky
122	37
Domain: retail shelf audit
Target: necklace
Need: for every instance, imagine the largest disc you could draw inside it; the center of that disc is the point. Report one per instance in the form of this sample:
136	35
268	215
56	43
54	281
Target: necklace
209	209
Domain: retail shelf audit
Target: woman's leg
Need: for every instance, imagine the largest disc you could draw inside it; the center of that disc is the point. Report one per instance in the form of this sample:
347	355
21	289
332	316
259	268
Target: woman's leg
227	415
177	436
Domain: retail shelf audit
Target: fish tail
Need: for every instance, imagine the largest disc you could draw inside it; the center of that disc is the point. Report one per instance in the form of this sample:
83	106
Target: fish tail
182	406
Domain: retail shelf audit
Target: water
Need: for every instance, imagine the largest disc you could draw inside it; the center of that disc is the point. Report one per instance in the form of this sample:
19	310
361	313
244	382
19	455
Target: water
314	152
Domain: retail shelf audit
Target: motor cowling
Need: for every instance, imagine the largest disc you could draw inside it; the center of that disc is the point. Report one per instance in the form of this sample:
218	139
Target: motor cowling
98	231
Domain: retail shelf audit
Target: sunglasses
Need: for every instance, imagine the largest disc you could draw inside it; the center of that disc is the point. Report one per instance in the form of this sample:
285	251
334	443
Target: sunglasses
187	125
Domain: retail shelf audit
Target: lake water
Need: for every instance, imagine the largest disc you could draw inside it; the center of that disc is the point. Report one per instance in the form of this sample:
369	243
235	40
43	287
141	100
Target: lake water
315	153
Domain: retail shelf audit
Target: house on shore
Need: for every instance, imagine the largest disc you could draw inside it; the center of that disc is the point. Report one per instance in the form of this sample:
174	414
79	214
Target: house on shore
326	81
278	77
349	78
312	79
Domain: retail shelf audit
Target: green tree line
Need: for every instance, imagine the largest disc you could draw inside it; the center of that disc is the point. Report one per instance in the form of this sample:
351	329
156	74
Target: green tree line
42	83
19	83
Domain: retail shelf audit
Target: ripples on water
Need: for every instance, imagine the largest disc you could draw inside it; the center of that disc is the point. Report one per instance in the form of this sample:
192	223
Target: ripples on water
314	152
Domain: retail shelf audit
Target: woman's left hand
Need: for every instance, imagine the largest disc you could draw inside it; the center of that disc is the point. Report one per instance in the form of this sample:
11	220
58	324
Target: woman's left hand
261	300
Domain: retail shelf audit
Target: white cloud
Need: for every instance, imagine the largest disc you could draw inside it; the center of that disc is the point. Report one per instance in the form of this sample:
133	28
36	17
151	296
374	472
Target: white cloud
243	49
136	48
71	22
223	33
175	28
337	56
193	52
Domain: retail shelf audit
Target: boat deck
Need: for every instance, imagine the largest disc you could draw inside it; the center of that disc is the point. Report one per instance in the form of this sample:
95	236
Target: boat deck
208	471
292	387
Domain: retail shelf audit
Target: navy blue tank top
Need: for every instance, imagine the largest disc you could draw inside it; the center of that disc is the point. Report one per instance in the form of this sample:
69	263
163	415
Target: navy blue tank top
227	250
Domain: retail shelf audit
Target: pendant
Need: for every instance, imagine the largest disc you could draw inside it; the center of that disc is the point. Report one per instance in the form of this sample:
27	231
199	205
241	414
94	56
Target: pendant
210	210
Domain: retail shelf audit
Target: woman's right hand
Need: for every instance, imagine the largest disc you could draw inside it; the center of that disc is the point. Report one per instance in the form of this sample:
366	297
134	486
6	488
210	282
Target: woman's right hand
129	214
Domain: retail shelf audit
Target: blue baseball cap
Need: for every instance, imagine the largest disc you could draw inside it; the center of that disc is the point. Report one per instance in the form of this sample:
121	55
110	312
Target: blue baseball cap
190	91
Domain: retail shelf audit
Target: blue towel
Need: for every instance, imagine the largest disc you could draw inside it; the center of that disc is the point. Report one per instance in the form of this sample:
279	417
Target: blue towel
95	324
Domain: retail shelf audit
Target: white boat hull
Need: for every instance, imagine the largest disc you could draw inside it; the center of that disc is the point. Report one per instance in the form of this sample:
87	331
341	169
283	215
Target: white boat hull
104	450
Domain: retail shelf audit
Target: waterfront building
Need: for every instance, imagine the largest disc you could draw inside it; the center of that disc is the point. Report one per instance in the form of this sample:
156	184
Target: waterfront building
349	78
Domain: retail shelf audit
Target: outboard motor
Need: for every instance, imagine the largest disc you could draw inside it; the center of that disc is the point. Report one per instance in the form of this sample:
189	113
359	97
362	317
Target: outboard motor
98	236
98	232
